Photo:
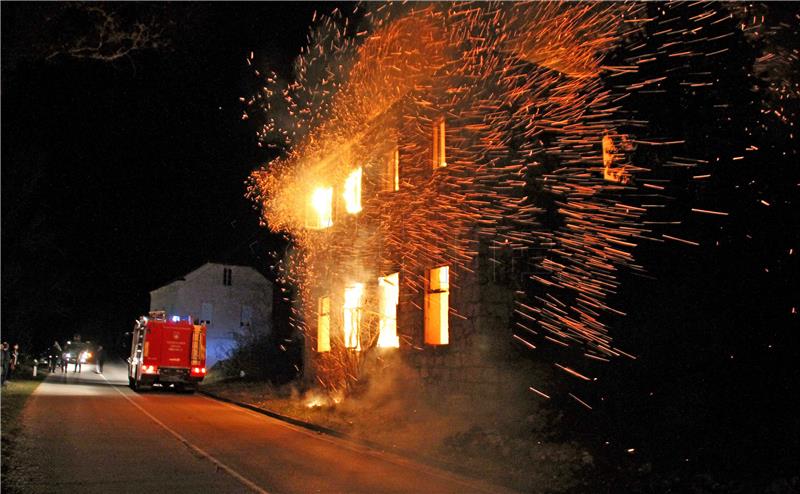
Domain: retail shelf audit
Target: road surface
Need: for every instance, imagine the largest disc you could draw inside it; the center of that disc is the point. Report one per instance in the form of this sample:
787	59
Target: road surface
90	433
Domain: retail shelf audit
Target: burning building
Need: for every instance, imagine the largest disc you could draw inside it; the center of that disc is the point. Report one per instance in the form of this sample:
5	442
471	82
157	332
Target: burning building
457	180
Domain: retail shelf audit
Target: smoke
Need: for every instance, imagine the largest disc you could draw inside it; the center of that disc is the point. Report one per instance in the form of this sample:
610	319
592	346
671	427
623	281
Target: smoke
505	433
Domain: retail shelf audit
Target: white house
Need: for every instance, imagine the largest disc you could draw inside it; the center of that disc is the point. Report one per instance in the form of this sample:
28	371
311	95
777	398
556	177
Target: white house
228	299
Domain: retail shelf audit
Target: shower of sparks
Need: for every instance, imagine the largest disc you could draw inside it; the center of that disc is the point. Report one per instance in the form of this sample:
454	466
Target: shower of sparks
541	155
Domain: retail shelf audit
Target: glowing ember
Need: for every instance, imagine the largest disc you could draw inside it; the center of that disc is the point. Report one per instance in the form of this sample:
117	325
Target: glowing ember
491	124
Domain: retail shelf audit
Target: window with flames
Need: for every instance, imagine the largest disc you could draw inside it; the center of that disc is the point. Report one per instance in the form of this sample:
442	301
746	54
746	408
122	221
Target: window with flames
319	209
437	306
352	192
389	287
351	315
324	325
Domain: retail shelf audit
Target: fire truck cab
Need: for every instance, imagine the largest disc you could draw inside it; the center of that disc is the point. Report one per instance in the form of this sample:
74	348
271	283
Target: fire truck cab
167	352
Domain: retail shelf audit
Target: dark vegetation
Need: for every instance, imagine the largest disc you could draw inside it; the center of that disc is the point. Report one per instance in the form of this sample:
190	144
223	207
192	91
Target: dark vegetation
262	358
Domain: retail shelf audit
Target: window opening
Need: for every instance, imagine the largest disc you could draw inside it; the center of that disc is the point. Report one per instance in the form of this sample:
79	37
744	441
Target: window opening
207	312
324	325
319	210
437	306
352	192
352	315
389	297
246	318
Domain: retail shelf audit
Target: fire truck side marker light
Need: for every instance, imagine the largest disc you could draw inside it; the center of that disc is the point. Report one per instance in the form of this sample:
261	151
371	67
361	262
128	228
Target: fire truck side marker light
230	471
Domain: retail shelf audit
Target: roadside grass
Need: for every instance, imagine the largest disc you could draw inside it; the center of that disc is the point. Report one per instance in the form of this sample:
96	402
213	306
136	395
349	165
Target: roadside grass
474	444
523	458
13	397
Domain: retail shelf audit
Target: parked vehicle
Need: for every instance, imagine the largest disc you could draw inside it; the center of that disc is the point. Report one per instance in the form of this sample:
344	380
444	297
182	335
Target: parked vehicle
167	353
74	351
50	359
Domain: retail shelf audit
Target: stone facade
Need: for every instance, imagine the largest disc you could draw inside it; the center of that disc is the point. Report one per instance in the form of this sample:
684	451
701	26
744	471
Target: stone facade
475	362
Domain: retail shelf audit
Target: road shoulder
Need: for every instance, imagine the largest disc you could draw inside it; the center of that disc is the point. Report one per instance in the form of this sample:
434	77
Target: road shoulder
15	397
393	455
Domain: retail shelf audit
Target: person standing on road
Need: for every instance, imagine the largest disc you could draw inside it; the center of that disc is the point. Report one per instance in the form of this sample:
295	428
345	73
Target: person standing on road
78	358
55	354
14	360
100	359
5	359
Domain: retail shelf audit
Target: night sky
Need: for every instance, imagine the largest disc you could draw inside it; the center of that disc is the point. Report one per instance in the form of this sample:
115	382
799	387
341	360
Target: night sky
118	177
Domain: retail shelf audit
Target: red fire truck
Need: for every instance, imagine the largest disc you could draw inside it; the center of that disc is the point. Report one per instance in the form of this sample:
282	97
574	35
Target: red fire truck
167	352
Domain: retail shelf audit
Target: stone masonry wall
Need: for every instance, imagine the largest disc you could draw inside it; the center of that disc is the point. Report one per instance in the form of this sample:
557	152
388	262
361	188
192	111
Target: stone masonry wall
475	364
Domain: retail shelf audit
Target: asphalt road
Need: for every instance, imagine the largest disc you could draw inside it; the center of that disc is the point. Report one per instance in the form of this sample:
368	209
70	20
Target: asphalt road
90	433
